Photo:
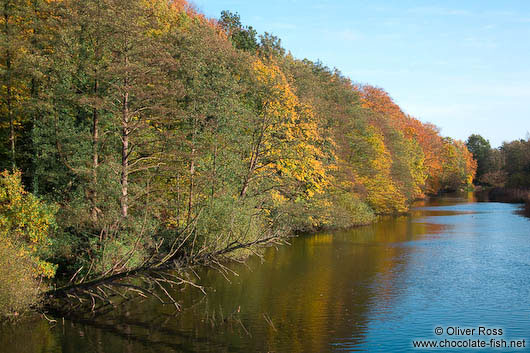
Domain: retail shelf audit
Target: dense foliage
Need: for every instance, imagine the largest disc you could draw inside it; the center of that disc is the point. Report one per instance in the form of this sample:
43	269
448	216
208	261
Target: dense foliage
25	225
159	133
505	167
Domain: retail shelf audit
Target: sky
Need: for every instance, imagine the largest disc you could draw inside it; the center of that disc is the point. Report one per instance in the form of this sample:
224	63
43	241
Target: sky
462	65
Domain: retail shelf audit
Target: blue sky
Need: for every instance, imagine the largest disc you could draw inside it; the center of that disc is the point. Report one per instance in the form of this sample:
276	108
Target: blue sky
462	65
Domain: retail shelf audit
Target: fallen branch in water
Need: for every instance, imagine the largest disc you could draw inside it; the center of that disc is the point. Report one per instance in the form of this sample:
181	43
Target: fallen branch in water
155	280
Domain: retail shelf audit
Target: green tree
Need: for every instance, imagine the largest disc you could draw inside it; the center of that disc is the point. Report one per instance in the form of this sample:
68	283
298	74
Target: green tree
481	150
243	38
270	46
109	95
517	163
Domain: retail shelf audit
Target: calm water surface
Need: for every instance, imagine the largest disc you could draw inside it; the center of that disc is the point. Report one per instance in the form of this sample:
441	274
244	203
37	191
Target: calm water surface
451	262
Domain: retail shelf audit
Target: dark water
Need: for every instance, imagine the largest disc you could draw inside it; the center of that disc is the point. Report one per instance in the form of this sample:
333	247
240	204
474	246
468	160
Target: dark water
451	262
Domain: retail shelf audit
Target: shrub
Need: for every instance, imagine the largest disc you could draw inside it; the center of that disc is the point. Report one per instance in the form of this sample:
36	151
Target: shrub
351	211
332	210
225	221
25	225
19	287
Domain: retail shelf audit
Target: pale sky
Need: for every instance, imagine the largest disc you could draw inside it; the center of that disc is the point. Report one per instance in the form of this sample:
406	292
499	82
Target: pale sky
462	65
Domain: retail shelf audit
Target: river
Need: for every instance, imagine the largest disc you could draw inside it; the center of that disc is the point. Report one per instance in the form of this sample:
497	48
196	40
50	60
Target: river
452	262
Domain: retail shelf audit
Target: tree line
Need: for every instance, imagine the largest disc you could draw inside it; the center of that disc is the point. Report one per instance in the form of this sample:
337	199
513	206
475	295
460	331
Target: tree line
137	132
505	170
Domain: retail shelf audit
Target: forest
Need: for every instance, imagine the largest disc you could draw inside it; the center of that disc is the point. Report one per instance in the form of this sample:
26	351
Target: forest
139	133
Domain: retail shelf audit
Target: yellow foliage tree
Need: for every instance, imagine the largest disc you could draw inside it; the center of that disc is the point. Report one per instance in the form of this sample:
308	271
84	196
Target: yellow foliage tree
373	164
285	139
459	167
25	224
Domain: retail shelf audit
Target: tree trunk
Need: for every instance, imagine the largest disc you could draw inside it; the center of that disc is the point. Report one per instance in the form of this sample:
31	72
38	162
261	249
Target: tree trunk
11	127
34	153
214	176
95	130
251	167
95	158
192	172
125	148
253	160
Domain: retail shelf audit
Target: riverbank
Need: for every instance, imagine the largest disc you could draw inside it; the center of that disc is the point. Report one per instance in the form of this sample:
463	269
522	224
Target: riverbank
511	195
88	297
76	295
373	288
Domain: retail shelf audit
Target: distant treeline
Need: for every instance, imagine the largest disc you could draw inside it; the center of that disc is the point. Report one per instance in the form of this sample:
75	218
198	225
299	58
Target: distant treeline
506	170
145	132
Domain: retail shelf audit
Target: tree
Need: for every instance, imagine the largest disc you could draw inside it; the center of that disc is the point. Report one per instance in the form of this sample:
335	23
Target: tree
517	163
17	59
26	223
459	167
204	134
270	46
373	164
284	144
243	38
481	150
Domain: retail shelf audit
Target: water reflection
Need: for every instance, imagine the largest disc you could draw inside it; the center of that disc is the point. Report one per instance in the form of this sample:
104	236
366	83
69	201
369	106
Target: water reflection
31	336
369	288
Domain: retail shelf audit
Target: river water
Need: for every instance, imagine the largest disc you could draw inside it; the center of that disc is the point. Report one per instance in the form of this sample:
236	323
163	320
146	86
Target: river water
452	262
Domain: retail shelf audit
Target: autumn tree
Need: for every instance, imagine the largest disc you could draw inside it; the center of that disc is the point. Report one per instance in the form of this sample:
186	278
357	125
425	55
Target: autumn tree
109	94
26	224
373	164
459	167
284	138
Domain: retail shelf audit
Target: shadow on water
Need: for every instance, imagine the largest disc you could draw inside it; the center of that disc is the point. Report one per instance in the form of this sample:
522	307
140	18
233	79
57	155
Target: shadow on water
324	292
